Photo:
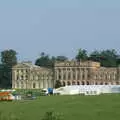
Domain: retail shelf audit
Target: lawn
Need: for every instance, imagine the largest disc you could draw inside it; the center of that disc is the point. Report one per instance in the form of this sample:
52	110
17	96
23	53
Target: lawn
104	107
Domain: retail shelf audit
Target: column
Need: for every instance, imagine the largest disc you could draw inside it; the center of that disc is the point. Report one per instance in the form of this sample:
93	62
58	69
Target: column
81	74
76	72
71	73
62	73
57	77
66	74
14	78
85	73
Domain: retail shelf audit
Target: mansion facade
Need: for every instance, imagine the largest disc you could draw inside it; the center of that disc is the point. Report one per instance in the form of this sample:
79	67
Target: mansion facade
25	75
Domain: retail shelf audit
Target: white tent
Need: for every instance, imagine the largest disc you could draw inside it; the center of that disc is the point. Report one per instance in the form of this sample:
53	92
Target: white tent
88	89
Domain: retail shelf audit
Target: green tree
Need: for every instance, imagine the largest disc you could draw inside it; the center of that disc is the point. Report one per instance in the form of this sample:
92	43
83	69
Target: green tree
82	55
58	84
61	58
95	56
8	59
110	58
44	61
107	58
118	60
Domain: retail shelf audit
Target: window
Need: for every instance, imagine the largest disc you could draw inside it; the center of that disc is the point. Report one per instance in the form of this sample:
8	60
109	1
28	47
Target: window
59	77
73	82
68	83
17	77
101	83
106	83
88	83
83	83
26	77
64	77
63	83
78	83
69	76
73	76
34	85
21	77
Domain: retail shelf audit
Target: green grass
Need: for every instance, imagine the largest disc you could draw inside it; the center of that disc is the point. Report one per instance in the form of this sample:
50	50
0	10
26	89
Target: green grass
104	107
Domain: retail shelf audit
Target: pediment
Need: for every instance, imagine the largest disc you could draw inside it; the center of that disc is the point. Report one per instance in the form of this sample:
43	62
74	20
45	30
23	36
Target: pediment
20	65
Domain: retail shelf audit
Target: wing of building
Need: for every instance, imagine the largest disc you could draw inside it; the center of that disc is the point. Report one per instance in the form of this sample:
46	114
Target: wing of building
25	75
85	73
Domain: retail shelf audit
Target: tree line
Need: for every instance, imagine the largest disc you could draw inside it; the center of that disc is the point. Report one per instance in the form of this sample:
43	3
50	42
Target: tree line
107	58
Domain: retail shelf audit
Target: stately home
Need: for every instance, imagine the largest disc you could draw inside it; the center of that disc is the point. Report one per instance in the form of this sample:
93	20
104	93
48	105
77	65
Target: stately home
25	75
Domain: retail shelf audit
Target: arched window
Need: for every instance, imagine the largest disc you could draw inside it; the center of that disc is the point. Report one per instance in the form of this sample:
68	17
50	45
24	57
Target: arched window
83	83
88	83
117	83
78	83
73	82
106	83
101	83
96	83
68	83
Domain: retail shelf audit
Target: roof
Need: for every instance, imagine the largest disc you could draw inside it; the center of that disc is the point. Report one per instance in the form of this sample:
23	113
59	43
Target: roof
29	65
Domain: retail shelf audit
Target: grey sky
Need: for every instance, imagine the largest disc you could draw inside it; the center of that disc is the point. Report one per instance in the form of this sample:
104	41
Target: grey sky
58	27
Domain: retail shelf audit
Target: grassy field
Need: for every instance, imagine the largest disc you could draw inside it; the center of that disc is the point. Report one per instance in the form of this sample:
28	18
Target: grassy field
104	107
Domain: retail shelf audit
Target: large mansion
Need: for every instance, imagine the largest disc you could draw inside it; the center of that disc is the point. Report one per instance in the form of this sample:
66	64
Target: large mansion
25	75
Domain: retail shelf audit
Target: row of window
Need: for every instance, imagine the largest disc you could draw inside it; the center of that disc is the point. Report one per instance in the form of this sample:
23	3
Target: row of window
33	85
106	77
86	83
73	76
22	77
73	69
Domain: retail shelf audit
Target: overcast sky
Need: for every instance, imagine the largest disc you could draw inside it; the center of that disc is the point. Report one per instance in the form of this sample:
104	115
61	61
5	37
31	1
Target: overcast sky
58	27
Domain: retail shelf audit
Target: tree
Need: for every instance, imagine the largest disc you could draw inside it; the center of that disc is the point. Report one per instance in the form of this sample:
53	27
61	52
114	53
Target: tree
107	58
118	60
61	58
95	56
5	77
110	58
8	57
44	61
82	55
58	84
